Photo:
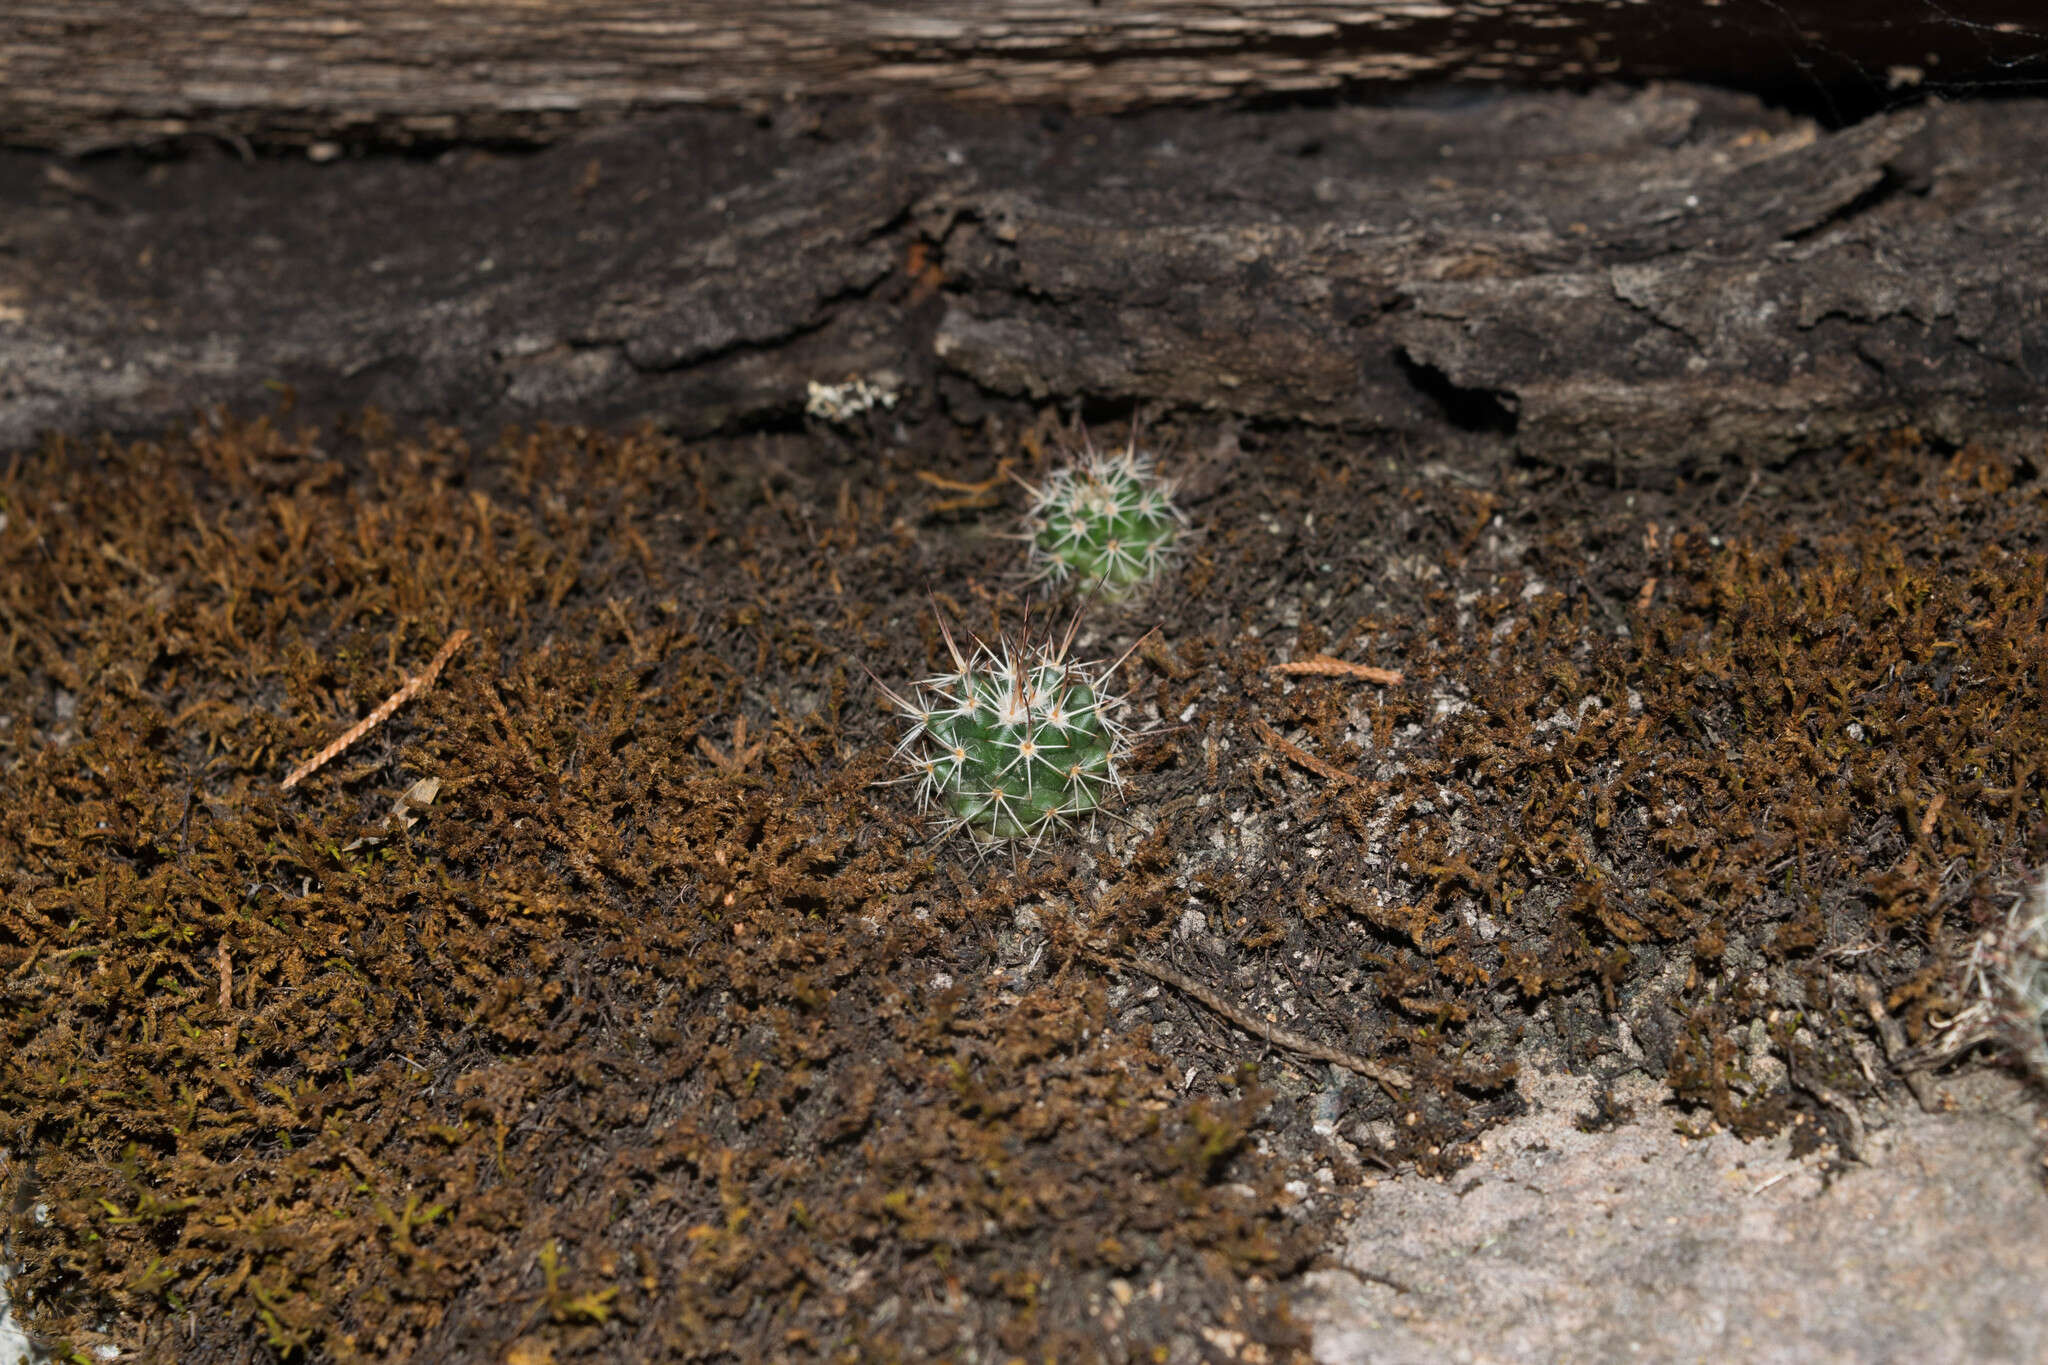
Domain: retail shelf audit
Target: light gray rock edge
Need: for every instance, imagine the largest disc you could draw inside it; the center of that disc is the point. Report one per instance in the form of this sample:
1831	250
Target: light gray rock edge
1639	1244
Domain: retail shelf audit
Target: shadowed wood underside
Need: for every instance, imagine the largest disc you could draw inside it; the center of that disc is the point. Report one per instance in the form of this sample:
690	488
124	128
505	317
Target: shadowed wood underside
86	74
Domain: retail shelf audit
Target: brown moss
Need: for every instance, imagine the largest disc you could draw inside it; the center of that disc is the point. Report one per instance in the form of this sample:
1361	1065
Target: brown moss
630	1044
662	1037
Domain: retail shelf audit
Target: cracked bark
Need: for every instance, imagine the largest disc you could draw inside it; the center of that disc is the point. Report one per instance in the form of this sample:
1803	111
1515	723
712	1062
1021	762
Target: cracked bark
1666	276
88	74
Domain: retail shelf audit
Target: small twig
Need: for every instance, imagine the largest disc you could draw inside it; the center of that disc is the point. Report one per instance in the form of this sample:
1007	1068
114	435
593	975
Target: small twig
1932	814
1852	1139
956	486
84	189
1321	768
413	687
21	968
617	609
226	964
1894	1039
1374	1277
1392	1078
973	494
1323	666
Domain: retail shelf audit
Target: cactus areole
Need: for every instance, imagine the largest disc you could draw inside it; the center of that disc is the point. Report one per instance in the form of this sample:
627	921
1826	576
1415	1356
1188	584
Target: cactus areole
1017	740
1104	520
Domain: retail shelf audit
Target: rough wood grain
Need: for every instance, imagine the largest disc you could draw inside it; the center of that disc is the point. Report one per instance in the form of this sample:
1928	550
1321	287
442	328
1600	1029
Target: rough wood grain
1667	276
81	74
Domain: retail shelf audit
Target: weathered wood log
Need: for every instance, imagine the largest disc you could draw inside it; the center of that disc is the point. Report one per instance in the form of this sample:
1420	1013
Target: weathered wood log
1670	275
85	74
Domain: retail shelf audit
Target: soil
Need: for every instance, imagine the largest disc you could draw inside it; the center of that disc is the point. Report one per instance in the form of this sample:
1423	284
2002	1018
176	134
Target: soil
664	1032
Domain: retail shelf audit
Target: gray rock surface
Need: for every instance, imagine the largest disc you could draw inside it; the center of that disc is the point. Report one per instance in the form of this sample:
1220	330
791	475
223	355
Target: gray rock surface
1639	1244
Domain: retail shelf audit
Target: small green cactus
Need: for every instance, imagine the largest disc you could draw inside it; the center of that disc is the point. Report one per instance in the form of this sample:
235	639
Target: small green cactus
1017	740
1104	520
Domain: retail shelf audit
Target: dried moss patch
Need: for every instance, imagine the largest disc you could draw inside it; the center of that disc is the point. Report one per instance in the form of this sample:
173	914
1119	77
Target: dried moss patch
663	1034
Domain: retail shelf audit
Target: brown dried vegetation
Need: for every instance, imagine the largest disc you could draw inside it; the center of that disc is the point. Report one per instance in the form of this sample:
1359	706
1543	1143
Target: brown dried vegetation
661	1033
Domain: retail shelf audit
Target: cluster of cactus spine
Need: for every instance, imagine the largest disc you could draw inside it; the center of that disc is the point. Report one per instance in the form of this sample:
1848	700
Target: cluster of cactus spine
1018	739
1105	521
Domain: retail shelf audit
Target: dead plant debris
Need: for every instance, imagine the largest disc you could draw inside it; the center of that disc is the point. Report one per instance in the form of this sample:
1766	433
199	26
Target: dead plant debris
1323	666
1394	1080
411	688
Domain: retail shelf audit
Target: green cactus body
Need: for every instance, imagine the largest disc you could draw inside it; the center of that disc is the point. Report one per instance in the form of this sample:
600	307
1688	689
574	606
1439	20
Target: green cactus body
1015	741
1104	520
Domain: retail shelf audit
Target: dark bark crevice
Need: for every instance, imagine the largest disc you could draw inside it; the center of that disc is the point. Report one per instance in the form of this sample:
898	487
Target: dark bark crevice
1467	409
1656	277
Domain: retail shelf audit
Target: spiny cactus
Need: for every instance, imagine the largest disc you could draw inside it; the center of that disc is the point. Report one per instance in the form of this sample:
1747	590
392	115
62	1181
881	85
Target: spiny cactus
1104	519
1018	739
